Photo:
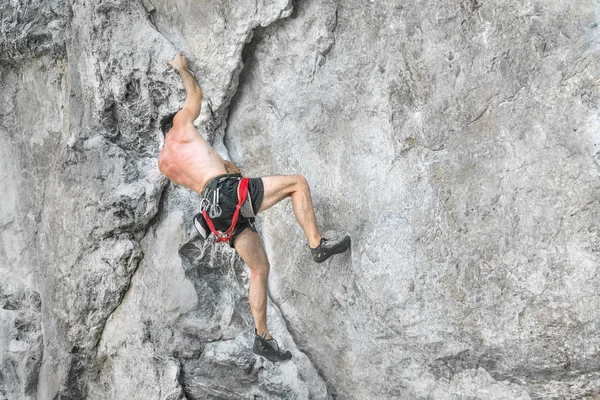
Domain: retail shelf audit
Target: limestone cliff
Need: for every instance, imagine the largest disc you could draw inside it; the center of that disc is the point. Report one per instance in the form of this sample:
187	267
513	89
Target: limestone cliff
457	142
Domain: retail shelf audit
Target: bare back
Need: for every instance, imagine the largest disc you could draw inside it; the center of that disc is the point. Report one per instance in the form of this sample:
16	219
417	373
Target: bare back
187	159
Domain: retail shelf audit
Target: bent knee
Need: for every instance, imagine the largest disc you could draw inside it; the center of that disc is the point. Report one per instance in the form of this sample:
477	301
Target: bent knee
301	181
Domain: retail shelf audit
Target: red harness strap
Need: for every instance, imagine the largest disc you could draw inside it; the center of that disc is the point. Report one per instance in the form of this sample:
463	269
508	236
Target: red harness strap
226	236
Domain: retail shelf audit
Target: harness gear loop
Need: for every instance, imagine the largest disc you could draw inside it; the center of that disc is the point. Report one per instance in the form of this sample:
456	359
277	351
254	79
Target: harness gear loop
226	236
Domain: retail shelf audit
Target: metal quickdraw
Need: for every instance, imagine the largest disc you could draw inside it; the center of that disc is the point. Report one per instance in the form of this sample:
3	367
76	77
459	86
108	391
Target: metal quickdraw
211	206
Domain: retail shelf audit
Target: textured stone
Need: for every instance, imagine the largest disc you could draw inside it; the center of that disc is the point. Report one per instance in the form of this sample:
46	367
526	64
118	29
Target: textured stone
456	141
22	344
459	147
32	29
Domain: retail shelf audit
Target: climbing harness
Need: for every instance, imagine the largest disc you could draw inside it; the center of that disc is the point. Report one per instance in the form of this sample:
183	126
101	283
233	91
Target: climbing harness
226	236
210	209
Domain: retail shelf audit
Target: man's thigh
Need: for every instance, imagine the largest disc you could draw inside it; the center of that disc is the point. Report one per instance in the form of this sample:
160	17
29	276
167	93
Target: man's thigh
276	189
249	247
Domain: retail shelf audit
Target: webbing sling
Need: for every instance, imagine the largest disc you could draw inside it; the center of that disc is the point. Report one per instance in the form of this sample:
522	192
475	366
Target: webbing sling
226	236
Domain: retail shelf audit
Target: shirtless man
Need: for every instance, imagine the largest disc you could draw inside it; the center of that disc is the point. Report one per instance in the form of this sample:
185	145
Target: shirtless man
188	160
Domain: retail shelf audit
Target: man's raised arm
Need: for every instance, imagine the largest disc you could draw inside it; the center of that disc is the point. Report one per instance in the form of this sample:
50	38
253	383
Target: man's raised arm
193	100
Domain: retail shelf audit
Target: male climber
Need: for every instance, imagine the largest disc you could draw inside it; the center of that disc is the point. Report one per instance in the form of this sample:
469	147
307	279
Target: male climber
188	160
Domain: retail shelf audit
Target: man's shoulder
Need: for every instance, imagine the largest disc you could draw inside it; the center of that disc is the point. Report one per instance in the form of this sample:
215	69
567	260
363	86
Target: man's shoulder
183	132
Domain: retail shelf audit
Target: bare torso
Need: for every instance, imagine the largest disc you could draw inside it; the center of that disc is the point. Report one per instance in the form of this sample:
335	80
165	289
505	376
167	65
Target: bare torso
187	159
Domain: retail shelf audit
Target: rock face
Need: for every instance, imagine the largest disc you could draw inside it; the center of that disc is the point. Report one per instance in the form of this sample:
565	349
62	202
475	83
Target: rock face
457	142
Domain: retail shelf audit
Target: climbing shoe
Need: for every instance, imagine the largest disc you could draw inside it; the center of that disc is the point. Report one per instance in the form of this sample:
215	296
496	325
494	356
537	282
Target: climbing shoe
328	247
269	349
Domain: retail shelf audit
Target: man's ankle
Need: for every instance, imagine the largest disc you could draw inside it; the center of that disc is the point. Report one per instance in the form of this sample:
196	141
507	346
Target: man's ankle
267	335
316	242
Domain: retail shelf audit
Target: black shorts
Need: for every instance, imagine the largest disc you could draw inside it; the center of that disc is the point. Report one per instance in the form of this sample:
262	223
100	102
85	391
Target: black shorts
228	200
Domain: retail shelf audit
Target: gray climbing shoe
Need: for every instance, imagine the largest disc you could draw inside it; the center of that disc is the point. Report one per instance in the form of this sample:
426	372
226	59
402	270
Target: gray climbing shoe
328	247
269	349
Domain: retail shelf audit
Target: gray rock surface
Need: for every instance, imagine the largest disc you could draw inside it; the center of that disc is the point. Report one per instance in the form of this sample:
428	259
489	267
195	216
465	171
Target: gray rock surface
456	141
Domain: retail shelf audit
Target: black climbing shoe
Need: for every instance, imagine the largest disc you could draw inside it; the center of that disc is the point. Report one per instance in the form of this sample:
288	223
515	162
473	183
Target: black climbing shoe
328	247
269	349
